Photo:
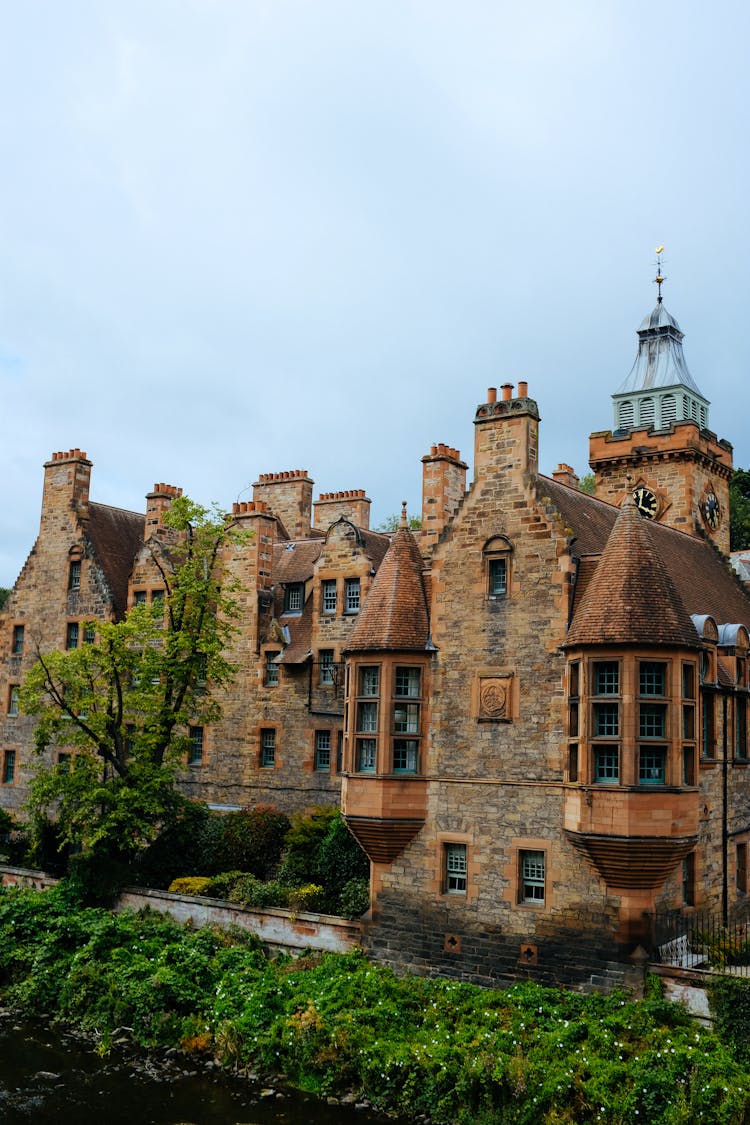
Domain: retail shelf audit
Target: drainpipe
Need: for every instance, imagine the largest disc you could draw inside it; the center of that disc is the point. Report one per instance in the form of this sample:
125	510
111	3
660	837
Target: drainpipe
724	814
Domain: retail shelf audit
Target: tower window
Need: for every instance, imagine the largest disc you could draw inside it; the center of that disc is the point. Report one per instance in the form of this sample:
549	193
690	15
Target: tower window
626	415
668	409
647	412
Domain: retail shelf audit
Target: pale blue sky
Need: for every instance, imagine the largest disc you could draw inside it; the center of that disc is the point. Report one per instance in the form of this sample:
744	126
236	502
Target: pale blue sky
243	237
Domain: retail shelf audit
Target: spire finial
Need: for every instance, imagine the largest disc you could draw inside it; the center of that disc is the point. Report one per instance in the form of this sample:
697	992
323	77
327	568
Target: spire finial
659	279
404	520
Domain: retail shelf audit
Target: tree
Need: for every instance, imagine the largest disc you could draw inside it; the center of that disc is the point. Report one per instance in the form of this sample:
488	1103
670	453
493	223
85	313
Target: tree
392	523
587	483
739	510
4	595
123	706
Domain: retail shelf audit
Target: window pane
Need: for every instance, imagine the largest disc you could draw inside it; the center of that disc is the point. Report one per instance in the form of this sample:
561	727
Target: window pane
498	575
406	718
366	754
293	598
322	750
9	766
325	660
195	753
606	720
74	582
17	639
369	681
329	595
267	748
532	876
653	720
651	765
607	764
653	678
71	638
688	681
367	717
688	765
13	700
408	682
272	670
708	739
455	869
352	595
404	755
607	678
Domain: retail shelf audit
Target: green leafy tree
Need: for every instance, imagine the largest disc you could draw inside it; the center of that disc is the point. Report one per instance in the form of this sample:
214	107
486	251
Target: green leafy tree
739	510
587	483
392	523
4	595
122	706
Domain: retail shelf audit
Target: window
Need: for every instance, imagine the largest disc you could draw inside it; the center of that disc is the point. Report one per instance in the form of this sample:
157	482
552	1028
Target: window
647	412
9	767
201	669
496	555
369	681
351	595
607	765
366	755
195	750
406	718
322	750
329	595
157	601
13	695
89	633
708	737
498	578
325	664
454	879
293	597
268	749
652	720
606	720
651	766
74	576
139	597
626	415
740	727
272	670
652	678
607	678
408	682
71	635
688	765
688	681
688	721
573	763
17	646
63	762
367	717
405	755
741	869
668	409
688	880
531	869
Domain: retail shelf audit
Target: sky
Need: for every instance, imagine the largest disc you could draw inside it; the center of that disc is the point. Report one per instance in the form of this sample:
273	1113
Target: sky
246	236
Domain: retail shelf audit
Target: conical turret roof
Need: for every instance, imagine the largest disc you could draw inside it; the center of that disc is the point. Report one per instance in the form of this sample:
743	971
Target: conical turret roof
631	599
395	613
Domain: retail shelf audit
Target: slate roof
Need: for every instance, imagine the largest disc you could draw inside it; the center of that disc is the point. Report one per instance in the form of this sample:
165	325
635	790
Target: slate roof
631	598
116	536
700	577
395	613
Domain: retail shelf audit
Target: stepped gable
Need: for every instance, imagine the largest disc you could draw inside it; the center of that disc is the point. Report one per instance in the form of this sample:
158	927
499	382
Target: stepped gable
631	598
116	536
395	613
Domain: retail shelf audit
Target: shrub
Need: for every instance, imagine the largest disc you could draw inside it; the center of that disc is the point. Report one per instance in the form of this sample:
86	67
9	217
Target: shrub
340	860
354	898
251	840
190	885
302	845
249	891
188	843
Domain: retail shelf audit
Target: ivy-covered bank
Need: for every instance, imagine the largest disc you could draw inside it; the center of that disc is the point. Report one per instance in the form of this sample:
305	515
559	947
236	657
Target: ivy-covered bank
335	1023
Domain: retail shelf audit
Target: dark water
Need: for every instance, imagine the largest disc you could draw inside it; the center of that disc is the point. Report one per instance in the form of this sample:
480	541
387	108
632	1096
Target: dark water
46	1077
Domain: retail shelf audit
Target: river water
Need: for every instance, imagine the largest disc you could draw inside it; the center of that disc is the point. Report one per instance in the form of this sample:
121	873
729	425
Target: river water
47	1077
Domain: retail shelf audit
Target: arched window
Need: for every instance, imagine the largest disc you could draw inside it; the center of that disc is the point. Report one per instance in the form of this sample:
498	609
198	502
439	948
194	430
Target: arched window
496	554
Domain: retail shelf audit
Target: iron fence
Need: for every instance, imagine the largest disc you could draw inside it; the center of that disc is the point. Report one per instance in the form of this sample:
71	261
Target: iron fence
704	940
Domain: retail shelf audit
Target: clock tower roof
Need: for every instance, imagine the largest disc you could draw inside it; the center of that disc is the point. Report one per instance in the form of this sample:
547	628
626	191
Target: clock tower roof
660	362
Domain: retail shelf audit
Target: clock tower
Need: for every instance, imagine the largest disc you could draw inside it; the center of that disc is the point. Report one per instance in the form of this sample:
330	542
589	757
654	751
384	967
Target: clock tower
660	450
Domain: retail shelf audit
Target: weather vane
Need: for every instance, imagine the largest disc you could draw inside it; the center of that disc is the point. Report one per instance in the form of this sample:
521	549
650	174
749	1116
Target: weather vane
659	279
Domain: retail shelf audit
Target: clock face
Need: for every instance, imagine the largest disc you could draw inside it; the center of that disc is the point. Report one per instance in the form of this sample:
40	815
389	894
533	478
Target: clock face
646	502
711	511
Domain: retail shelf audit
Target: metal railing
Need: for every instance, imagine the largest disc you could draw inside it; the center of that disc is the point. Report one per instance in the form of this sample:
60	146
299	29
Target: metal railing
704	940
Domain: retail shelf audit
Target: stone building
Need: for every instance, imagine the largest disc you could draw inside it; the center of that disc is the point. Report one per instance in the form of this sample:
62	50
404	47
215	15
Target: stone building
533	711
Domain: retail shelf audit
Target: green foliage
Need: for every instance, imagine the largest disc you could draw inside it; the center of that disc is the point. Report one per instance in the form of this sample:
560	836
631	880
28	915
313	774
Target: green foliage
587	483
354	898
250	840
190	885
4	595
332	1023
14	840
739	510
303	843
187	843
729	998
124	703
392	523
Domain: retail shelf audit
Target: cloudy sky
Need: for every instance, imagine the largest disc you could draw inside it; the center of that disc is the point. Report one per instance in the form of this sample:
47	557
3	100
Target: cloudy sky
243	236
